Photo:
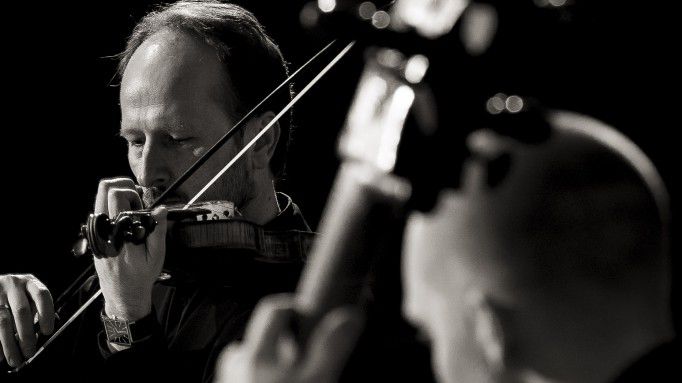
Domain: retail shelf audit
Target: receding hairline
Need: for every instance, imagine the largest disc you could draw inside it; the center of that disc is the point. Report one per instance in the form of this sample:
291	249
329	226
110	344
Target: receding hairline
169	43
253	61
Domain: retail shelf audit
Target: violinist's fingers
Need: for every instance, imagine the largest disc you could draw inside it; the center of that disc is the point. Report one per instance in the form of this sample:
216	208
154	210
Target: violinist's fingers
8	341
23	321
156	242
8	345
10	349
331	343
101	201
120	199
42	299
269	324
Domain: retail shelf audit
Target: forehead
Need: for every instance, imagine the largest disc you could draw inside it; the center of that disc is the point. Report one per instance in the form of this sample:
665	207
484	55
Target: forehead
172	68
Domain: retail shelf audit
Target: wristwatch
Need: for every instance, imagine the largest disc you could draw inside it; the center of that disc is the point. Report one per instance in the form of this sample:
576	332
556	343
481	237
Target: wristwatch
126	333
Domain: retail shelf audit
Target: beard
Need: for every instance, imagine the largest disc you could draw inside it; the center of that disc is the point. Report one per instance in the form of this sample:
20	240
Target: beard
235	185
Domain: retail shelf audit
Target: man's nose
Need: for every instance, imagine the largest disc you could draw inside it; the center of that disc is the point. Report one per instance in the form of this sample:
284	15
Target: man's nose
153	167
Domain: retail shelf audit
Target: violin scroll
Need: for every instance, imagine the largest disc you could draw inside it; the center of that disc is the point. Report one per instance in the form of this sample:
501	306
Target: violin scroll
104	237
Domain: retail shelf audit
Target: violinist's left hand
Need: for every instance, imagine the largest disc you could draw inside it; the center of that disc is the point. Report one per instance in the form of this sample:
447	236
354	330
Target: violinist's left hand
269	352
127	279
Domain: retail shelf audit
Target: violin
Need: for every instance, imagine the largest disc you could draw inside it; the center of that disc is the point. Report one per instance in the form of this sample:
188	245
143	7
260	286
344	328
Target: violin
212	226
366	199
205	225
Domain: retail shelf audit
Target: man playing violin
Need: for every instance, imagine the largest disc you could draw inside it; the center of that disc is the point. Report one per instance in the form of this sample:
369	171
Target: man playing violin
189	72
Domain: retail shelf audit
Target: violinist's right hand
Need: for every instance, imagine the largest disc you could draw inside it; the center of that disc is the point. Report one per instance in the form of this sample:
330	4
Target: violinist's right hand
127	279
22	298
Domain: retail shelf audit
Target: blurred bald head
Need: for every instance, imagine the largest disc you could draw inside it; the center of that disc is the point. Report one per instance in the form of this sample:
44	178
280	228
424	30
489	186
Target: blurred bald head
539	271
584	208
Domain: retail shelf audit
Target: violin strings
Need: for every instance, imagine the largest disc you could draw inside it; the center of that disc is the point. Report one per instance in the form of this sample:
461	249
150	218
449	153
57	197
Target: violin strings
269	125
188	173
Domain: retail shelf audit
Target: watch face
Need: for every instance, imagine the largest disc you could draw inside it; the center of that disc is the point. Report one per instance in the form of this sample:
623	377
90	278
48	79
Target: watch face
117	331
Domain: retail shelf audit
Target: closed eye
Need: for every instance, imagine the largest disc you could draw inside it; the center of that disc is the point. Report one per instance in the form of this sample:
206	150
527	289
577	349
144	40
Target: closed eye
181	140
132	140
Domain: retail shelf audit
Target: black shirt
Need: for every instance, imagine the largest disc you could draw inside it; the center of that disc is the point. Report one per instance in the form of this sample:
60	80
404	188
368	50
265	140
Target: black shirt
196	315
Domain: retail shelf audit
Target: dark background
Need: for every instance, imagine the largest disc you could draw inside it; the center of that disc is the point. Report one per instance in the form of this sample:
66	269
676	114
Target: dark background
606	59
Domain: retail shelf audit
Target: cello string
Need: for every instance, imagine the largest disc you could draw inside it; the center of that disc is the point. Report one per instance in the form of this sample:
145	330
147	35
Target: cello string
192	169
274	121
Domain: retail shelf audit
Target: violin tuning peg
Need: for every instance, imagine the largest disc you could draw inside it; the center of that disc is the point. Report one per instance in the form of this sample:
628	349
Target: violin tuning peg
148	222
124	222
137	234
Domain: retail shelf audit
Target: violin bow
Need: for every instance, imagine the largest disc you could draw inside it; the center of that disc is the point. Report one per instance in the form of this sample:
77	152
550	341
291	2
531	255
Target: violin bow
269	125
205	157
77	284
199	162
80	280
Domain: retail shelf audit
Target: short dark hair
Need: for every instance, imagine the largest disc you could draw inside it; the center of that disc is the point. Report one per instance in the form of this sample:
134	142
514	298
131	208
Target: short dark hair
254	63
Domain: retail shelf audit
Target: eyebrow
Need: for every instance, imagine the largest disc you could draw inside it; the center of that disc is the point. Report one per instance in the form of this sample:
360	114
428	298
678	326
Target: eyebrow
127	130
171	127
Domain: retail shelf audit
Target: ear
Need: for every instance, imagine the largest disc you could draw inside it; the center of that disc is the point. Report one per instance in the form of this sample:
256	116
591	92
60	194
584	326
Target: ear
489	329
264	148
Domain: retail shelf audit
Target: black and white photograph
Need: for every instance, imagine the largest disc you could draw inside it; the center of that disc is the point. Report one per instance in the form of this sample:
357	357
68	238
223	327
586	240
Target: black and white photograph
322	191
